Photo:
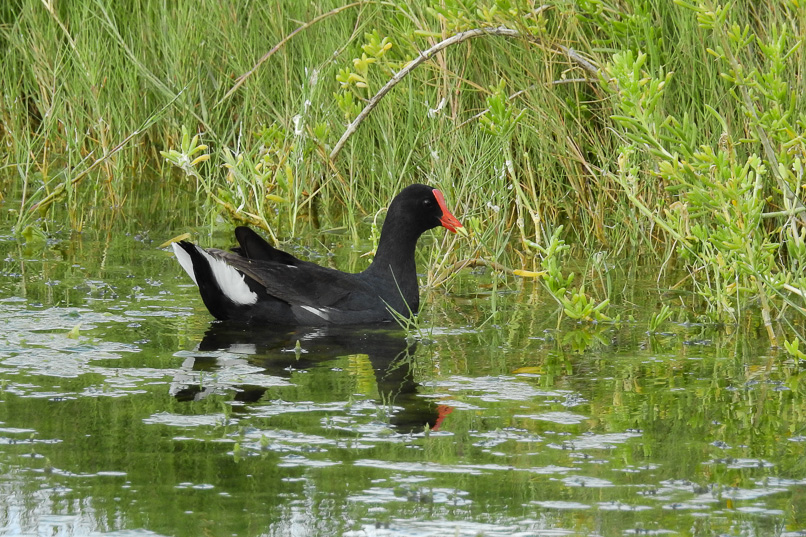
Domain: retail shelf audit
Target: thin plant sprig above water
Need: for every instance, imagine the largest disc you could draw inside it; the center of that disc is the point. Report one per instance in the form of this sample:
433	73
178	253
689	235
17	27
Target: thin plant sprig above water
659	318
575	303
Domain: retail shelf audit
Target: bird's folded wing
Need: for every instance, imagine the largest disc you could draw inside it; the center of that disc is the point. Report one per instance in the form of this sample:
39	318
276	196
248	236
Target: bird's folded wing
305	284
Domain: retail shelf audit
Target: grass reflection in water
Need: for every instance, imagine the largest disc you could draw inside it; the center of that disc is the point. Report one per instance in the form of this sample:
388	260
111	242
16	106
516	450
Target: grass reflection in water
150	419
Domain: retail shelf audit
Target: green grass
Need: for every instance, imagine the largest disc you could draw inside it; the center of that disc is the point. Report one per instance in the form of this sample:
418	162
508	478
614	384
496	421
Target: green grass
646	148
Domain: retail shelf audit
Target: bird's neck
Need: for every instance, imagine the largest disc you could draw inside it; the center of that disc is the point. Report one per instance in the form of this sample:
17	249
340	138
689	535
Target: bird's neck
394	263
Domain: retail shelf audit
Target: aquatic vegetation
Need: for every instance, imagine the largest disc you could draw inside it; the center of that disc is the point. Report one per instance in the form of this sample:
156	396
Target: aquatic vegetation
669	132
152	420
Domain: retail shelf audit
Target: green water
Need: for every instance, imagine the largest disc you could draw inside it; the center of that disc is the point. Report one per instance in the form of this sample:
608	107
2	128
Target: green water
149	419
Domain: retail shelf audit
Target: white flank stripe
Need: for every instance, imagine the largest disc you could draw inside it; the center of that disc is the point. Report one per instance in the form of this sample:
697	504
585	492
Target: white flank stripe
318	312
229	280
184	259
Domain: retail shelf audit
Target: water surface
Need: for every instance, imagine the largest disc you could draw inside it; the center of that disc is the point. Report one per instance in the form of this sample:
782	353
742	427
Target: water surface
124	410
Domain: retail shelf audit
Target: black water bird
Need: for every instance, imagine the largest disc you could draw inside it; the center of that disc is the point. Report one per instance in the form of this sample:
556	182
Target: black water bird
258	283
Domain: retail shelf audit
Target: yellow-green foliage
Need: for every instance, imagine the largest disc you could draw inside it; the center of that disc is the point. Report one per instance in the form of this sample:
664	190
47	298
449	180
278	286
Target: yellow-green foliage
672	130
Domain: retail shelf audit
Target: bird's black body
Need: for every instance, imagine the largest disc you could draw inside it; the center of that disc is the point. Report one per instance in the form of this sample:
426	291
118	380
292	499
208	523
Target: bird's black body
259	283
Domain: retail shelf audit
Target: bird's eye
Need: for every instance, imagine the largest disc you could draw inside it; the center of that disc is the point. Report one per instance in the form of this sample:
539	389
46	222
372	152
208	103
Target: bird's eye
427	202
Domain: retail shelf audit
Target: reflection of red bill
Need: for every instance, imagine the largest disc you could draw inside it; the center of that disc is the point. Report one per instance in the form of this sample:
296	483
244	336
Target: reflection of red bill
442	413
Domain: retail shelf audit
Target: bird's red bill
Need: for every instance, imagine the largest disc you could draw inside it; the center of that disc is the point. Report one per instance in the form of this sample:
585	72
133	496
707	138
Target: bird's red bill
448	221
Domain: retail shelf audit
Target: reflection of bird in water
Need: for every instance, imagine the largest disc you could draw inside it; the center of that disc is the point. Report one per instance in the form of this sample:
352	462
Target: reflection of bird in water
264	359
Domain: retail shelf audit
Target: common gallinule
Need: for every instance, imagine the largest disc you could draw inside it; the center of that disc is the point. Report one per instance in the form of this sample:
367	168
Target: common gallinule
259	283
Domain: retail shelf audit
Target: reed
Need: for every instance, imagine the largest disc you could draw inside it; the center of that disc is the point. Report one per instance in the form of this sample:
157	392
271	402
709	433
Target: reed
671	131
